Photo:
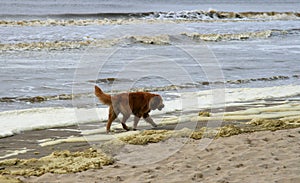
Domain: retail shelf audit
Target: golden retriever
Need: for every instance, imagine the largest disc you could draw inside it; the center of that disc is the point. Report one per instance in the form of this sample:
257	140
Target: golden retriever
137	103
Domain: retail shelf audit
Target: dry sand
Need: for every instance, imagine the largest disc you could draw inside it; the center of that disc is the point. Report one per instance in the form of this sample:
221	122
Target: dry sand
266	156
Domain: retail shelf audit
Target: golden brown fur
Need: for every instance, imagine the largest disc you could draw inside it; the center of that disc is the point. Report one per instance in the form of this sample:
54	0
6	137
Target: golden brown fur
137	103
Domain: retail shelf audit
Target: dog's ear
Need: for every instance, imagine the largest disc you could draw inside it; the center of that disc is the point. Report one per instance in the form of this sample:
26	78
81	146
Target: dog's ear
154	102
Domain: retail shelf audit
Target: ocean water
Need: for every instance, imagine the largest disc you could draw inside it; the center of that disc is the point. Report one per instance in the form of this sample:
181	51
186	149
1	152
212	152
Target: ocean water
52	54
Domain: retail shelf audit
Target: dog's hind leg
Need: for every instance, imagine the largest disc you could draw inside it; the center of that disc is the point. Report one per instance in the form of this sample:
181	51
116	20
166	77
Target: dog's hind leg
111	117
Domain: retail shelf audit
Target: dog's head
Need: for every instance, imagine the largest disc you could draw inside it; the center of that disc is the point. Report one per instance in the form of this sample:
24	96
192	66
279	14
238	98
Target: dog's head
156	102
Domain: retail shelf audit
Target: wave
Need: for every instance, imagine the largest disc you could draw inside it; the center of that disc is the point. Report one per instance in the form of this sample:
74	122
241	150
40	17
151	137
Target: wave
110	81
56	45
235	36
213	14
80	15
72	22
155	40
273	78
86	22
127	18
40	98
37	99
206	83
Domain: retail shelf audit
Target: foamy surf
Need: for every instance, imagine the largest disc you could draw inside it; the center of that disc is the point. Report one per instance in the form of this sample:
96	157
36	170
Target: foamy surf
15	152
216	15
288	112
135	39
13	122
151	17
42	118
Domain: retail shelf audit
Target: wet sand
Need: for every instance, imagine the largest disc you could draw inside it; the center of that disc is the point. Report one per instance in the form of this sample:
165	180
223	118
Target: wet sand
29	139
261	150
264	156
267	156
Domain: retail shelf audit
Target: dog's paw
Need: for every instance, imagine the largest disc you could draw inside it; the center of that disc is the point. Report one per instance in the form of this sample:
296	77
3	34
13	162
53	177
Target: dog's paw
125	127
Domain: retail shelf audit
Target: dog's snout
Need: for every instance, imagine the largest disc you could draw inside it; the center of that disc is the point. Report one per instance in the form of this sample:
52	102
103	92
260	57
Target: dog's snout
161	106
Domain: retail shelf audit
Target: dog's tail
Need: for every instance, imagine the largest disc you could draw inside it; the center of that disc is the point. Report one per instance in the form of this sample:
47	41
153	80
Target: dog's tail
103	97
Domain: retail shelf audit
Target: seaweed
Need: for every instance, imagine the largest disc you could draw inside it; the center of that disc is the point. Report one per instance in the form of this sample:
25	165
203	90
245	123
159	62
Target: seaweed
59	162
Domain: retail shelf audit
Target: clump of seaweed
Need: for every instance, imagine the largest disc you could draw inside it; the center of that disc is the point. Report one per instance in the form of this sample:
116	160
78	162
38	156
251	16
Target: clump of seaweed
154	136
273	124
58	162
204	114
198	134
7	179
147	136
229	130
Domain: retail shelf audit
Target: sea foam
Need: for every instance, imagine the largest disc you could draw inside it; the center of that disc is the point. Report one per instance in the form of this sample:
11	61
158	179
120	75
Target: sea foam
16	121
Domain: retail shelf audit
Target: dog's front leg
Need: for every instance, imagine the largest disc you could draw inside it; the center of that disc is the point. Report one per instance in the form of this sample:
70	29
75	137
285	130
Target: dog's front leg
125	117
135	122
150	120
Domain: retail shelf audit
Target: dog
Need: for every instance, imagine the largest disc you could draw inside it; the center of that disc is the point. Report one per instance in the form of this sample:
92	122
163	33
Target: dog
137	103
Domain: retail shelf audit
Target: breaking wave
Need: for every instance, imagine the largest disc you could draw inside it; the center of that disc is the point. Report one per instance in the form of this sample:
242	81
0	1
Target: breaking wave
110	81
235	36
37	99
55	45
72	22
148	17
80	15
154	40
213	14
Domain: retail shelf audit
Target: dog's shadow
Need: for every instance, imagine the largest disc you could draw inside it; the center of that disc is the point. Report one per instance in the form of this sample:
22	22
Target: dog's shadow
159	127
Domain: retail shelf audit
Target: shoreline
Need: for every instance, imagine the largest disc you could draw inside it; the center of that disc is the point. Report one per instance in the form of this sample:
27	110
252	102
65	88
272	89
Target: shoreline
262	156
18	141
157	147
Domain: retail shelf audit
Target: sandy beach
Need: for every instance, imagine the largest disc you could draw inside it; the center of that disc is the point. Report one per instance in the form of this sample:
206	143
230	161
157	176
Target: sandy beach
259	144
271	155
253	144
267	156
228	74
